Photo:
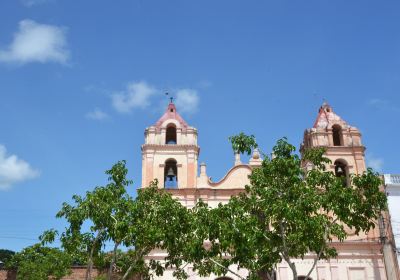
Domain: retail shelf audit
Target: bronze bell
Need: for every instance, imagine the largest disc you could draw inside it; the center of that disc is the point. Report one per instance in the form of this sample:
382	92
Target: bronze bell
170	173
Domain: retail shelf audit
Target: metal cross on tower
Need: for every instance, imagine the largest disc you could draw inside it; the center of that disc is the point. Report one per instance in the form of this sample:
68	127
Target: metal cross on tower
171	98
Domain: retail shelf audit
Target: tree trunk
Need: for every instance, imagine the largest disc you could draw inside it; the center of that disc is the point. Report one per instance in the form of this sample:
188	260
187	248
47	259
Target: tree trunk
89	267
313	266
90	260
265	275
114	256
291	265
127	272
138	276
294	270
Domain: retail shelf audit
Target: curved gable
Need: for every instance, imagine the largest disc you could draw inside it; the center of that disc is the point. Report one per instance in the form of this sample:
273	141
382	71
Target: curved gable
236	177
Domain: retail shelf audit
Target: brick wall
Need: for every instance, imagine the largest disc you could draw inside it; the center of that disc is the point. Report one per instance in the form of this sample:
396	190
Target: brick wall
7	275
78	273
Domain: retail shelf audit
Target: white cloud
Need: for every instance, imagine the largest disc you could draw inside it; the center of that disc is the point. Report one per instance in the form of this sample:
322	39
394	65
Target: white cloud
187	100
97	114
375	163
30	3
35	42
13	170
204	84
136	95
383	104
141	95
377	102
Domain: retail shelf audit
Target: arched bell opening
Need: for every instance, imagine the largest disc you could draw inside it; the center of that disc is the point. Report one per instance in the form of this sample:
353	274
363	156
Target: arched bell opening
223	278
171	174
304	278
170	137
341	171
337	135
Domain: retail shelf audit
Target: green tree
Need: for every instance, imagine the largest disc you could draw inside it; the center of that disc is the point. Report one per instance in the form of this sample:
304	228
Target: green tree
243	143
153	220
286	212
105	208
39	262
5	255
158	222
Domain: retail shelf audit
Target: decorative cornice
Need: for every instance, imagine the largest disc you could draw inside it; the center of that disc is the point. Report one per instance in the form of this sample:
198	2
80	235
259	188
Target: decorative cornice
352	149
211	192
169	147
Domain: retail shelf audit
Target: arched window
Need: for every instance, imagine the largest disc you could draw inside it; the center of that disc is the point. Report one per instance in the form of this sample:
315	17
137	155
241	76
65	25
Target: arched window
337	135
304	278
171	134
170	174
341	170
223	278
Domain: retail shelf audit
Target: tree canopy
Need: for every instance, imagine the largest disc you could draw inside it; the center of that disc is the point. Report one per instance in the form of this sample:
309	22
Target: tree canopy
153	220
286	212
38	262
5	255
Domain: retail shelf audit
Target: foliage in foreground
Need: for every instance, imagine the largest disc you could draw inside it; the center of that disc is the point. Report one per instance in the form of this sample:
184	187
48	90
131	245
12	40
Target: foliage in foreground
152	220
286	212
5	255
38	262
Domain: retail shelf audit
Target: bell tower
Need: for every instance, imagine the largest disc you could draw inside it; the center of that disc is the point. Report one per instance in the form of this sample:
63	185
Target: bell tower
170	152
342	142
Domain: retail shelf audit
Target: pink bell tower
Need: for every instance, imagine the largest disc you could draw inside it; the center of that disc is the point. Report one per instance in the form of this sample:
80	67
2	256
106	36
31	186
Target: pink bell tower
170	152
342	142
343	147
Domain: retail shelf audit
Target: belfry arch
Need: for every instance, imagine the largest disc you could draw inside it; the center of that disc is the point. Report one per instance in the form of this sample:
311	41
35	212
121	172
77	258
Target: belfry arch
171	174
337	135
170	136
342	170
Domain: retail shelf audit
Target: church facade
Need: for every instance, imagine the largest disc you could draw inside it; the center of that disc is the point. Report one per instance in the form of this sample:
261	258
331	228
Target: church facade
170	155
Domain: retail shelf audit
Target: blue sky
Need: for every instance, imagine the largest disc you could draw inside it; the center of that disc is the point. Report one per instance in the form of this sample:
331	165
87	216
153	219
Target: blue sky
80	81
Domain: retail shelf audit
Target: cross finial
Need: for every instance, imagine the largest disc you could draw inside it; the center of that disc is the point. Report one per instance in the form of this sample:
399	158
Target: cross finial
171	98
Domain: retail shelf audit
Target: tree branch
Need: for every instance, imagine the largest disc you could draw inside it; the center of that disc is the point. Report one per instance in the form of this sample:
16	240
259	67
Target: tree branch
113	259
234	273
314	264
285	254
90	262
327	228
138	254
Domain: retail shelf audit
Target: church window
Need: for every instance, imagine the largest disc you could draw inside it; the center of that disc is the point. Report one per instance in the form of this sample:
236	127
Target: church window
337	135
171	134
170	174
